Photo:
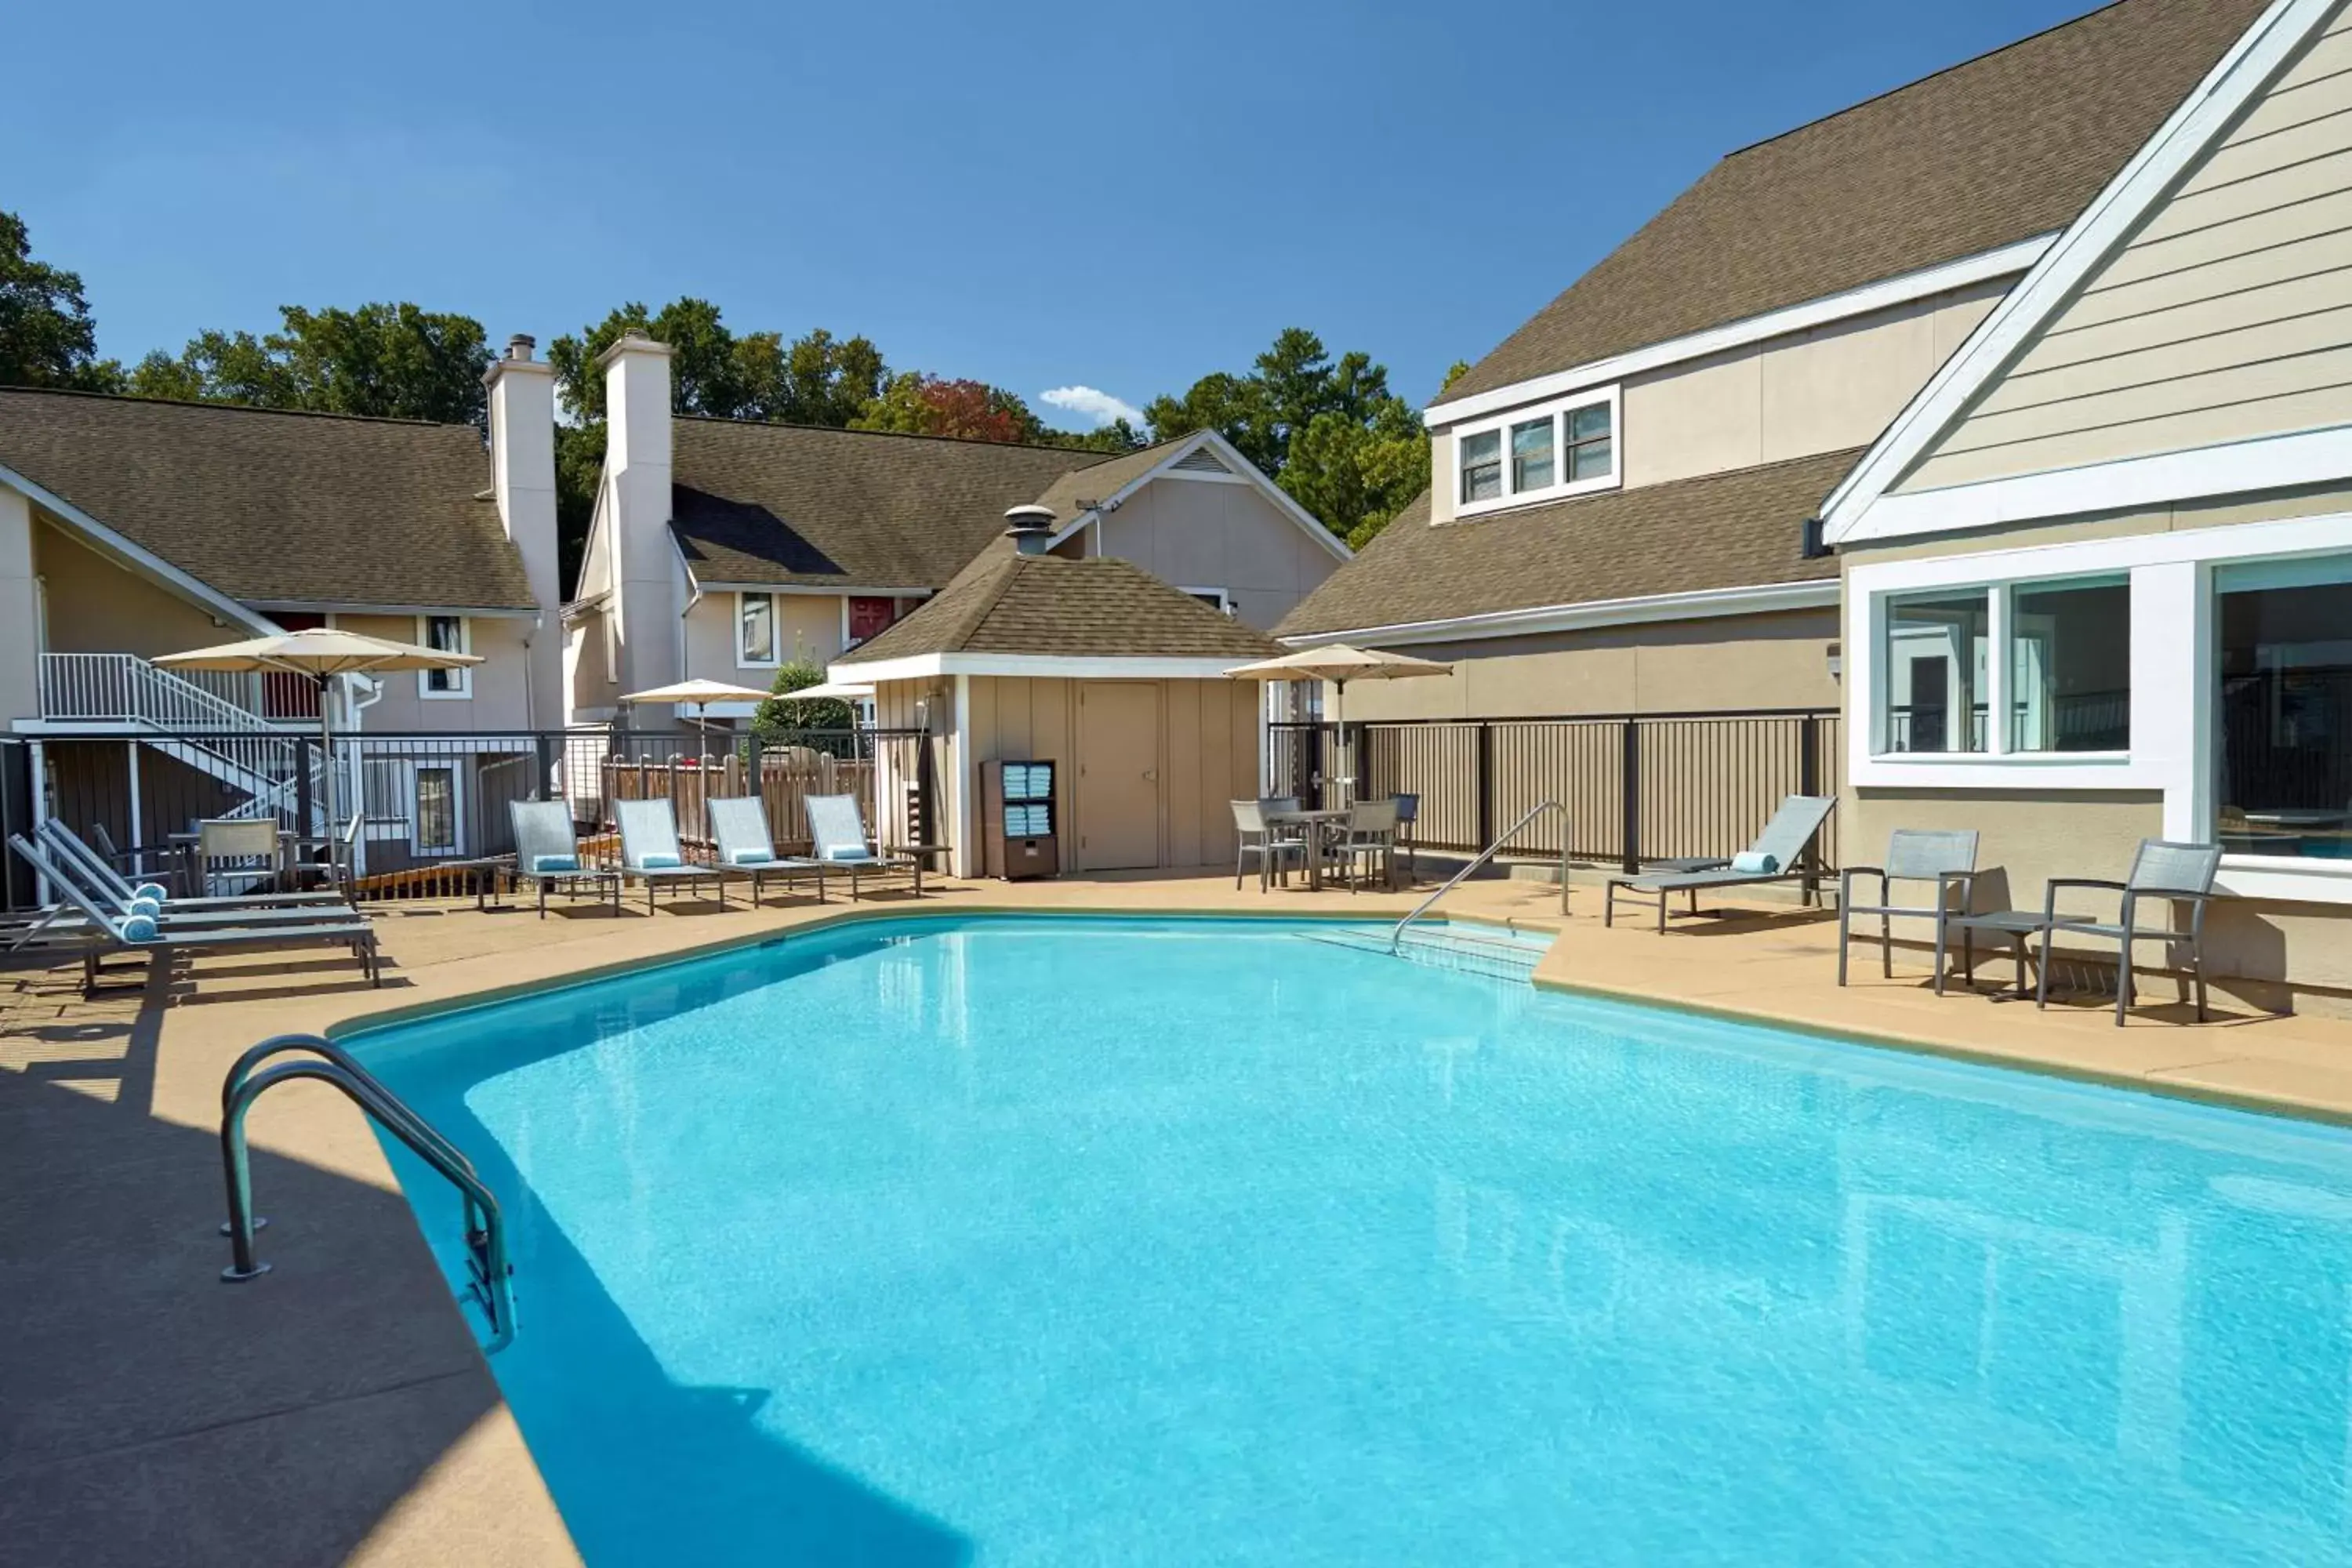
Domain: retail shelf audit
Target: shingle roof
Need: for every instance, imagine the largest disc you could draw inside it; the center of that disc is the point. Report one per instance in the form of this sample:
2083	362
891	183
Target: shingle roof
1999	149
267	506
1099	608
1736	529
799	505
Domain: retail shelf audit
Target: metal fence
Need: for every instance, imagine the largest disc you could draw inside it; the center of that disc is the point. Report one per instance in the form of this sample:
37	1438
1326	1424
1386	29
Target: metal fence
434	800
1636	786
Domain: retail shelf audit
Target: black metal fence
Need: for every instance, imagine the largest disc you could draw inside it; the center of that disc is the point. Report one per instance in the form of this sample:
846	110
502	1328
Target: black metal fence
1636	786
434	800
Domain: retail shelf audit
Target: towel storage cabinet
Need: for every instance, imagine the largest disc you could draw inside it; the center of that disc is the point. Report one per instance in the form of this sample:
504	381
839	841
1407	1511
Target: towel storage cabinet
1018	820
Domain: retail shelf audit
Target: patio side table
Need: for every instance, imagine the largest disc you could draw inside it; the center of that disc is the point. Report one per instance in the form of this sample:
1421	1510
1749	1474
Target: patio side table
2016	925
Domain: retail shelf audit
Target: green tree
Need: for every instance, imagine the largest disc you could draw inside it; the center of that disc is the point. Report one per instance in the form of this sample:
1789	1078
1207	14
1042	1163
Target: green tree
778	715
915	404
391	361
47	335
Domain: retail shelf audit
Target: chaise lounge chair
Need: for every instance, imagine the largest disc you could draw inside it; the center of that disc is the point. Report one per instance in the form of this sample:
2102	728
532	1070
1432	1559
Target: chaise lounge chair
2162	872
739	826
547	851
66	844
99	933
651	853
838	834
1771	858
1948	859
72	862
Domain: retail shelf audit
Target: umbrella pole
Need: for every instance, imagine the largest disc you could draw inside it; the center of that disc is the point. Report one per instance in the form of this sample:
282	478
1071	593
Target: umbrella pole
1339	740
327	775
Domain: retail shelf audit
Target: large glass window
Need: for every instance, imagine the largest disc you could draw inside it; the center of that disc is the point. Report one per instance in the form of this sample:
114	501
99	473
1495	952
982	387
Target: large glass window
2283	730
1532	466
446	633
2070	666
1591	454
1482	466
1934	662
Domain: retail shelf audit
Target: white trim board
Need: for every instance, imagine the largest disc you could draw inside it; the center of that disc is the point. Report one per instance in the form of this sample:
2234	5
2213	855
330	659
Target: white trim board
108	542
1886	292
1703	605
2115	215
927	666
2266	463
1243	471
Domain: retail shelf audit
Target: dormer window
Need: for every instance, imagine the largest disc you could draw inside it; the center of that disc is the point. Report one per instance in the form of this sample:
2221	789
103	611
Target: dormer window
1548	453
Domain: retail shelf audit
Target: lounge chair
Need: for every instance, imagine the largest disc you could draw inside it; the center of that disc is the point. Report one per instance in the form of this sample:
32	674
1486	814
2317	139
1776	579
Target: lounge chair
547	851
838	835
99	933
651	853
68	919
1771	858
1947	858
738	827
2161	872
67	846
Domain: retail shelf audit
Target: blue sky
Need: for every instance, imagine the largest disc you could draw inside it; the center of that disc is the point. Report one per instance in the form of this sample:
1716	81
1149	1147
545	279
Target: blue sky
1039	195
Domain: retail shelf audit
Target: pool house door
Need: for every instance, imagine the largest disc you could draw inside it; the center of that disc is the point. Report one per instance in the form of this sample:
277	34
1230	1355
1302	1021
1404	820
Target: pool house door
1118	775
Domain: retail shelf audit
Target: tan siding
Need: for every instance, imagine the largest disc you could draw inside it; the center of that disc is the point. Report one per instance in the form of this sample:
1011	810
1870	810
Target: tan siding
2228	317
97	606
1203	533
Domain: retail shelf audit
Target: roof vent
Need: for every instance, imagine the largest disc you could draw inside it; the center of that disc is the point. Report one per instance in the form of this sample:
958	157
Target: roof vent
1030	527
518	346
1199	460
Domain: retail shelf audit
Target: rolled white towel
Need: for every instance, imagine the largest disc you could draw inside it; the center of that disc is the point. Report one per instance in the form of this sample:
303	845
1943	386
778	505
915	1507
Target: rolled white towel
1755	863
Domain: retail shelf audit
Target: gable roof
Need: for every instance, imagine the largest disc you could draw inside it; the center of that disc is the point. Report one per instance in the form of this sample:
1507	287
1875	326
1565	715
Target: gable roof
802	505
270	506
1858	509
1098	607
1999	149
1744	527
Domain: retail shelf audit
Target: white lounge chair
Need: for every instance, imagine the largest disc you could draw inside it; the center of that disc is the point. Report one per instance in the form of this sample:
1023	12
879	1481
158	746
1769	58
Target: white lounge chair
547	852
66	844
838	835
99	933
1771	858
738	827
68	919
651	854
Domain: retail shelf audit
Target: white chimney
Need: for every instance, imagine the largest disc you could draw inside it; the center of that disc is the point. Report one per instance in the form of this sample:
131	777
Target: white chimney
647	597
522	478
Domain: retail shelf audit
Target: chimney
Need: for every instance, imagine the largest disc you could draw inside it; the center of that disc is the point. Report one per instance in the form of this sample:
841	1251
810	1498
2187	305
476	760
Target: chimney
1030	527
647	597
522	481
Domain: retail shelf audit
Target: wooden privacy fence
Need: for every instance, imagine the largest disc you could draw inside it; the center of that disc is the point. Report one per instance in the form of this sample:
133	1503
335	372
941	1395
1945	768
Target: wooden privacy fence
788	775
1636	787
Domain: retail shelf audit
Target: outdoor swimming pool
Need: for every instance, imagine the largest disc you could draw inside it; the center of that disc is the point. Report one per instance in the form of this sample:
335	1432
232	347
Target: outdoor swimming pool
1030	1240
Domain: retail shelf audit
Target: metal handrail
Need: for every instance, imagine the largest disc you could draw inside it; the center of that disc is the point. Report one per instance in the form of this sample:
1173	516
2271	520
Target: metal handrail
486	1239
1396	937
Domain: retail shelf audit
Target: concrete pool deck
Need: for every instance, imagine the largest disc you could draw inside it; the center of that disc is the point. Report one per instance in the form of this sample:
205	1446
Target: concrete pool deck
338	1410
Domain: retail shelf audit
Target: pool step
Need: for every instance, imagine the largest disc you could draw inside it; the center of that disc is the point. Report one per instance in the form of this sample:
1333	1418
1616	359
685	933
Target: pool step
1495	952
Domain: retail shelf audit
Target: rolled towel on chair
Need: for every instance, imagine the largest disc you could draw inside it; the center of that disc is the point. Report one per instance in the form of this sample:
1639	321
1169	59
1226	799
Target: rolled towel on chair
750	857
137	928
155	890
151	907
658	862
1755	863
544	863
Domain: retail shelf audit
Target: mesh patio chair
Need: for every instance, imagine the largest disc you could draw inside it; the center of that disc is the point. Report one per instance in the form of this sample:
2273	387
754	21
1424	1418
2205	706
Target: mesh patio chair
2161	872
547	852
1948	859
837	834
1368	837
1274	843
738	827
651	854
243	847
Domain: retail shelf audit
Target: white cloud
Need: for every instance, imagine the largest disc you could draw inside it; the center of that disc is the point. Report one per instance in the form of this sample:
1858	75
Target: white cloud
1099	407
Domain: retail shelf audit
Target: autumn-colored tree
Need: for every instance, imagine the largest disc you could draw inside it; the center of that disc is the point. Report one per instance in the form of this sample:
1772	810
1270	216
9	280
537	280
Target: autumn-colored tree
913	403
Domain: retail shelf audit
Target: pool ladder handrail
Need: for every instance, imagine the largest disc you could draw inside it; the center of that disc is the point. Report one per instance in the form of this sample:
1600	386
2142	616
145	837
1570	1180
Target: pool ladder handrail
491	1274
1396	936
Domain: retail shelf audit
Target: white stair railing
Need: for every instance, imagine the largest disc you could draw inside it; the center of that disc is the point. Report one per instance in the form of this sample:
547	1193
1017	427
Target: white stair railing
122	687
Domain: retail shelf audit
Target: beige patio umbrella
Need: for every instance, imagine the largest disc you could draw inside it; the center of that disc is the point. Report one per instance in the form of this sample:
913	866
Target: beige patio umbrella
322	653
701	694
1340	663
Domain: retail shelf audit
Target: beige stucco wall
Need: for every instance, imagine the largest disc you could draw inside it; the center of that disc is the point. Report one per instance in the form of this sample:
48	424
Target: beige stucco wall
2228	316
500	699
807	625
1667	667
20	695
1208	755
97	606
1212	533
588	681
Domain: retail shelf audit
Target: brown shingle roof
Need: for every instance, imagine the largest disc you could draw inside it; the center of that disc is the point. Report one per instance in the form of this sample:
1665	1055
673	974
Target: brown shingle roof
273	507
2006	146
1100	608
796	504
1736	529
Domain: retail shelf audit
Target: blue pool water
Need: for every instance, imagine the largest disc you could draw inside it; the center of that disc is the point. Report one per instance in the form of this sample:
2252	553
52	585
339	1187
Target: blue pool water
1058	1241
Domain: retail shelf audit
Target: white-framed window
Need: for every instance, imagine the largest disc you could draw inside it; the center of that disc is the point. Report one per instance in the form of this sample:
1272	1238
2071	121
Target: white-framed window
1216	599
436	819
1564	448
755	631
447	634
2055	655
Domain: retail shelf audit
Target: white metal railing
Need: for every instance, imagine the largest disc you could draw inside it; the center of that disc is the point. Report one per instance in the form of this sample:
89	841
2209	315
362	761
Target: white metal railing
122	687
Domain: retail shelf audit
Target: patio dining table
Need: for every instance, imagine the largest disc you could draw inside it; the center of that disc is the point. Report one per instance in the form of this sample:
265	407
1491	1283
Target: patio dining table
1318	824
